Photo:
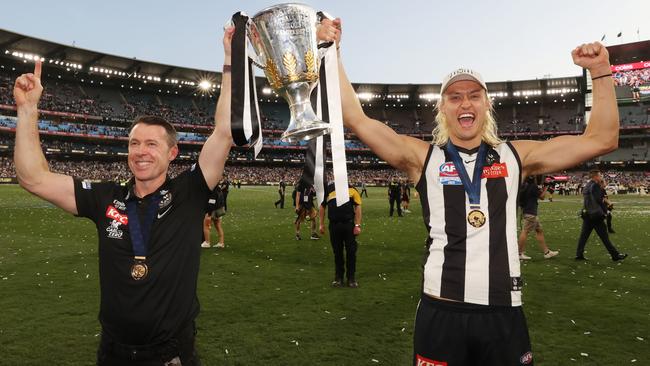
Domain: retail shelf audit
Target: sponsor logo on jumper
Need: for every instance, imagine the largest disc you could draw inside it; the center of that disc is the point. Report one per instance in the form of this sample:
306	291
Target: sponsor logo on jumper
164	212
423	361
498	170
119	205
113	213
527	358
114	231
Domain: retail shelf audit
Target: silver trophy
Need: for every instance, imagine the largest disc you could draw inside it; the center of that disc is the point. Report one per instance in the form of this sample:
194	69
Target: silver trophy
284	39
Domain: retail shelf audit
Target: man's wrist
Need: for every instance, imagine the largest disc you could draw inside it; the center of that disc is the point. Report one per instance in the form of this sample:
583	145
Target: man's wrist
226	68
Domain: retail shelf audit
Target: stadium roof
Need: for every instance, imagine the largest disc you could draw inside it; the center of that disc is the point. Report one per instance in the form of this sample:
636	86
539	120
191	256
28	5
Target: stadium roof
124	69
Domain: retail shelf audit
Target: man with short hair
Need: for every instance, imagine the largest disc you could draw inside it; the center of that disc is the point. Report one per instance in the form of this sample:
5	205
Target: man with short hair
148	230
593	218
344	226
470	310
528	196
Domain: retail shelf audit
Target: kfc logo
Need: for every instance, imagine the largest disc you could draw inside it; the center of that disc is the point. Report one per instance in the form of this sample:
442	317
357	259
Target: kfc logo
423	361
113	213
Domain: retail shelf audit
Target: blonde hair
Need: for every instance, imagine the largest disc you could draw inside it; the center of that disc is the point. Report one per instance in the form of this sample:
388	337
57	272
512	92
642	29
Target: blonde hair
489	134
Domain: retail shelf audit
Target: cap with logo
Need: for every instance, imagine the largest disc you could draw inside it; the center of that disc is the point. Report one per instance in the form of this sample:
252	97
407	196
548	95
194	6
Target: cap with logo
461	75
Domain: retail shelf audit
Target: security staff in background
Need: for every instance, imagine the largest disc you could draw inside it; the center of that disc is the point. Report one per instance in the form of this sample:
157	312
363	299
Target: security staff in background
395	196
148	230
470	310
344	226
281	190
593	218
363	189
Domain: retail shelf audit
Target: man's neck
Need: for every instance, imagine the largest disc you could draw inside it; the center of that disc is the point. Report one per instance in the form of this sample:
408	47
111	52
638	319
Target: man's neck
144	188
466	144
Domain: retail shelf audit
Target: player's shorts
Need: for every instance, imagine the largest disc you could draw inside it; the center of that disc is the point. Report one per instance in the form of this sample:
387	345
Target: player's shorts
531	223
461	334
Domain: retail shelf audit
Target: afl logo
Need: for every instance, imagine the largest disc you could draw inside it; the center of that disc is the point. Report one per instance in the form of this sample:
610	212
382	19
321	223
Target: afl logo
448	169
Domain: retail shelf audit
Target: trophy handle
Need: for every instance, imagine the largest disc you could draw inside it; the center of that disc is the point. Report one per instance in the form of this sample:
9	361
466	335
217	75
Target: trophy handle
253	38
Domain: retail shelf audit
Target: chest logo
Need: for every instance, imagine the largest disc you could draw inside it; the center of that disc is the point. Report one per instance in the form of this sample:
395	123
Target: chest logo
448	175
113	229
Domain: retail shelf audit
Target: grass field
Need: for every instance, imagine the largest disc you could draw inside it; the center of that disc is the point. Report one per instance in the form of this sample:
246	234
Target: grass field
266	298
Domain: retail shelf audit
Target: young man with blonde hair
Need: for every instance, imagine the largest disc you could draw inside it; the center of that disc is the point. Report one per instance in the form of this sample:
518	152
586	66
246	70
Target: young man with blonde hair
470	310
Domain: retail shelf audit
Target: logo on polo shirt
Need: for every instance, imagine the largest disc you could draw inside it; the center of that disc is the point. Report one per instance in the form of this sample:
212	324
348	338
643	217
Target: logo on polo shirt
423	361
119	218
166	198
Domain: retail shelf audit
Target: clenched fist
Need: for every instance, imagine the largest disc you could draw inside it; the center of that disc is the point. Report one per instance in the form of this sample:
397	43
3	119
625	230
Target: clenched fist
593	57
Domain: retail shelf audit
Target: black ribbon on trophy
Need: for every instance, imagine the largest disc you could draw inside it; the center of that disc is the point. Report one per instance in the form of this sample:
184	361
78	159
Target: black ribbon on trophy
290	60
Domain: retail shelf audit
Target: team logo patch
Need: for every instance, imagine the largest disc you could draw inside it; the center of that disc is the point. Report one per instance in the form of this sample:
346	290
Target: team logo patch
517	283
499	170
166	198
423	361
448	174
527	358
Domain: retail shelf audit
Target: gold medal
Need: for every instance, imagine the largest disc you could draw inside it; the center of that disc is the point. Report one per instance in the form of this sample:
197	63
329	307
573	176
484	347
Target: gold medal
476	218
139	270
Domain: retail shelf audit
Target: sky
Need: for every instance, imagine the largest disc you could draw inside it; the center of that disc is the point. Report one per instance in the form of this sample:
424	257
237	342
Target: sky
396	42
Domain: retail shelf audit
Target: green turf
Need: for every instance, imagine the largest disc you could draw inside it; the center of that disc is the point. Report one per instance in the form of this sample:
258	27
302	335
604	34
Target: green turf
266	298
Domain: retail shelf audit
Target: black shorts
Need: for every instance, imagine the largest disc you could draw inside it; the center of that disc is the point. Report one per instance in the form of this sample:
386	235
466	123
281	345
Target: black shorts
460	334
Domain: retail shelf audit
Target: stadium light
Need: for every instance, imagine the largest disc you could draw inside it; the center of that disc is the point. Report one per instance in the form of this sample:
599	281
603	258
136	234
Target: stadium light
266	91
204	85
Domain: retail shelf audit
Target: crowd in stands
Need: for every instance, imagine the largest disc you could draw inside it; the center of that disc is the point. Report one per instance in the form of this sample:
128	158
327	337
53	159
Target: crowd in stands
632	78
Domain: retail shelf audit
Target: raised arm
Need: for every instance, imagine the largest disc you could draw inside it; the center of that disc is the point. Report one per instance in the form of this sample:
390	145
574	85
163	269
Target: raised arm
32	170
215	150
600	135
402	152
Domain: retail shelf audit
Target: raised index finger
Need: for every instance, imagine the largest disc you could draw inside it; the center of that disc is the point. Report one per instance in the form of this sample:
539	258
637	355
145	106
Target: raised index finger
37	69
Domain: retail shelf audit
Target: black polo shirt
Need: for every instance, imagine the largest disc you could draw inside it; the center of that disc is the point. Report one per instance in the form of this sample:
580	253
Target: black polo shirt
307	196
345	212
152	309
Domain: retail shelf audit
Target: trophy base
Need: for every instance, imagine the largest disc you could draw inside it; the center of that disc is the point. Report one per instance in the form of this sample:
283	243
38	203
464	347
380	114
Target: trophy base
306	132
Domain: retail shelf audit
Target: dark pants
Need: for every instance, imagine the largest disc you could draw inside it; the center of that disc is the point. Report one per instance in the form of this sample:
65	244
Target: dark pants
280	201
609	222
112	353
225	200
342	238
364	191
601	229
461	334
393	200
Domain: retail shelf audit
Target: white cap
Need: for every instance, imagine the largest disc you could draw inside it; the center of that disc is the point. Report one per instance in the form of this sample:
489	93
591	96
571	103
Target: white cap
460	75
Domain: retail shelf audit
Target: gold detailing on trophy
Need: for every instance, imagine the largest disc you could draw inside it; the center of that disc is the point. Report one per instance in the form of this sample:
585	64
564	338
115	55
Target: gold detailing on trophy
273	74
311	72
290	66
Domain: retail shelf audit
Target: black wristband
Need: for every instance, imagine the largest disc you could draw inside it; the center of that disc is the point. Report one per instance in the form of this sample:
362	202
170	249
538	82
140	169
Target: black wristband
227	68
601	76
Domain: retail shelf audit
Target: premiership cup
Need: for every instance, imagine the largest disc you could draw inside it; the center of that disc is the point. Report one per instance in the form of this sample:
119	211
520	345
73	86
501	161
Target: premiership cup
284	39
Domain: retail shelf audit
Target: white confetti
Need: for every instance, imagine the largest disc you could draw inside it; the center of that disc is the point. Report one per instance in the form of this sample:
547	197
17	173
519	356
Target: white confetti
584	354
374	360
343	318
639	338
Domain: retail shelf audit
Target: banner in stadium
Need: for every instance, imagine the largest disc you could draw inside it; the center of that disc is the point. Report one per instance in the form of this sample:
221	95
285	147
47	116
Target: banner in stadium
632	66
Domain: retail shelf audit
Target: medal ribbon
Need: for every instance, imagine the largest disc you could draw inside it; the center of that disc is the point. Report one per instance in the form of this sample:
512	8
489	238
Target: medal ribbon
473	187
140	234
